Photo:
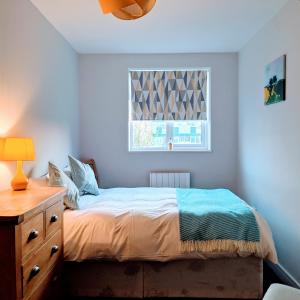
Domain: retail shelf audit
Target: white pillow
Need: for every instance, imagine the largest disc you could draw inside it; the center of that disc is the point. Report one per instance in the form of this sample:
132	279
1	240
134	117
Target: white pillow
58	177
67	171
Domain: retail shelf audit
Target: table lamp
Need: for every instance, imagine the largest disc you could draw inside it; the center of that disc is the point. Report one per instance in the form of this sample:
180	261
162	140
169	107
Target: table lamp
17	149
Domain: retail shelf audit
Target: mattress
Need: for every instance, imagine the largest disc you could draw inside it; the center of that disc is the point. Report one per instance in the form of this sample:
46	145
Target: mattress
138	224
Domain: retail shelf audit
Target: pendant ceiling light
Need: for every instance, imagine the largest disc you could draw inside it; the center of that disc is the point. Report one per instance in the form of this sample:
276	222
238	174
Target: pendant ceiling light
127	9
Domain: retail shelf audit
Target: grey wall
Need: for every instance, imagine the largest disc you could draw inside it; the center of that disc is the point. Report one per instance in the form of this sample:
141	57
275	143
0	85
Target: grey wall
104	120
38	87
269	136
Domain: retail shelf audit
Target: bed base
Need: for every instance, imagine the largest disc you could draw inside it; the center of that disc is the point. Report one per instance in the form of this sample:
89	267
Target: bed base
215	278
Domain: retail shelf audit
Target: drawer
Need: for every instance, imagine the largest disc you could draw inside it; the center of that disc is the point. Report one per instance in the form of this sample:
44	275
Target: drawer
32	234
41	261
54	218
50	288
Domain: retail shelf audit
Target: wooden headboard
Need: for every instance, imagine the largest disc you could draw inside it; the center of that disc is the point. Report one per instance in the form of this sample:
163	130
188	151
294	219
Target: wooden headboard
91	162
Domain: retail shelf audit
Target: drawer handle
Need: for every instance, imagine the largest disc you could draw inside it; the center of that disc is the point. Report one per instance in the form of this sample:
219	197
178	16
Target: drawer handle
34	271
54	218
54	249
33	235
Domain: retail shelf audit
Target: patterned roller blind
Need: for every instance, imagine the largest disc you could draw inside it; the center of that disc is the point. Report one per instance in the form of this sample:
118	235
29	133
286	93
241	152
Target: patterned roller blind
169	95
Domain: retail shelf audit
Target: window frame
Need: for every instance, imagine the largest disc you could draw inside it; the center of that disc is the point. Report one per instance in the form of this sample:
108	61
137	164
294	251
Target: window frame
205	129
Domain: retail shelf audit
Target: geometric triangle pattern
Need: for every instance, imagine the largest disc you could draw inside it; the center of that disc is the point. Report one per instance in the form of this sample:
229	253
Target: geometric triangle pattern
168	95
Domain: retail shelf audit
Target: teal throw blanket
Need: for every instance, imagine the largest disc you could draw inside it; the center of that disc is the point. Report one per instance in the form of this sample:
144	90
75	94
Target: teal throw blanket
215	215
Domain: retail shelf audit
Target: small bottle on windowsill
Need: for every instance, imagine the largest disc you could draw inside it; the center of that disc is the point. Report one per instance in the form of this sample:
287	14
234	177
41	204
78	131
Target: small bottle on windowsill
170	145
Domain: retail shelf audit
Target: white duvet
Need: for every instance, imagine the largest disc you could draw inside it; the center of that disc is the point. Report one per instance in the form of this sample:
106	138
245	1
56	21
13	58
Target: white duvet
137	224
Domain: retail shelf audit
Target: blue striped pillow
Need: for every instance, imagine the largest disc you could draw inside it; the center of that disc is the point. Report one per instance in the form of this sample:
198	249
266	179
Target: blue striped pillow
84	177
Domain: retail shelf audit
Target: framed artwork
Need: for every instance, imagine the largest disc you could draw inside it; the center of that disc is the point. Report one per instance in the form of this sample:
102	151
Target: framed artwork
275	81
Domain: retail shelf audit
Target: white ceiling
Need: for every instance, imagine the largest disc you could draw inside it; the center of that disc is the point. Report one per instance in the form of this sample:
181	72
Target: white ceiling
173	26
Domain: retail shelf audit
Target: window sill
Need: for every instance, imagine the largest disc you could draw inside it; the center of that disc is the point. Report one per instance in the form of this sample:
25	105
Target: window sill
171	151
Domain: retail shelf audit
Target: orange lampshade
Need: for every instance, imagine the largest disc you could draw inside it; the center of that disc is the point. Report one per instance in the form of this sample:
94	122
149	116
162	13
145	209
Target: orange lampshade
127	9
16	149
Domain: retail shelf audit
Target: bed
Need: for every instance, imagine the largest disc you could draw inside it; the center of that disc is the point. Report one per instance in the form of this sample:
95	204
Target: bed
126	243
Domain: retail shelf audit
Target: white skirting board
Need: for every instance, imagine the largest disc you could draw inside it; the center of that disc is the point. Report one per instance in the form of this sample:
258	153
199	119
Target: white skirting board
170	179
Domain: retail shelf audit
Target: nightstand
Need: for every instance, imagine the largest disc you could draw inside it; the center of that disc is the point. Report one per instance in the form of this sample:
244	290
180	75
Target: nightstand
31	243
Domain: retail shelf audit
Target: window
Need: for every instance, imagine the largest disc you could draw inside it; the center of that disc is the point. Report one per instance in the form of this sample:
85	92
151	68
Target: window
169	110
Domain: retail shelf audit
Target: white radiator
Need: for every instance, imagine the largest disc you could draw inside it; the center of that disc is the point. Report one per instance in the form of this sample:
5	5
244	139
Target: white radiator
170	179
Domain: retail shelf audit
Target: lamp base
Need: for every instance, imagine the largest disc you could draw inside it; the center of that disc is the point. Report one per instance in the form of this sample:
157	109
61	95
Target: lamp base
20	181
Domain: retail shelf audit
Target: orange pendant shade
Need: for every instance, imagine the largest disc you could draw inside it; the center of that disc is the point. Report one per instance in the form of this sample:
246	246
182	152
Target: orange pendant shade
127	9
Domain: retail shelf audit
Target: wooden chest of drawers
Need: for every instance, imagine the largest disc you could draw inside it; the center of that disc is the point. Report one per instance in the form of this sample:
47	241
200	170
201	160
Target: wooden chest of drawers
31	243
